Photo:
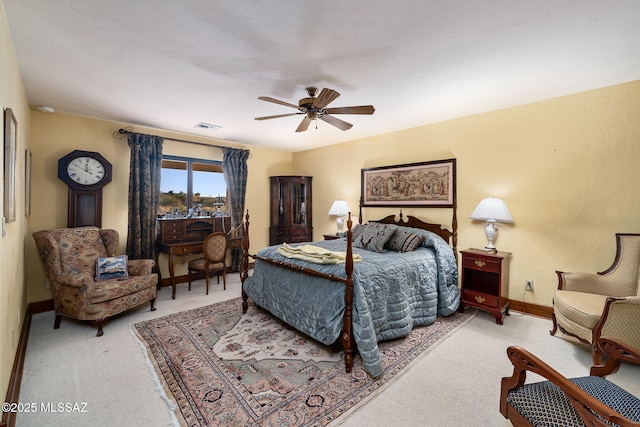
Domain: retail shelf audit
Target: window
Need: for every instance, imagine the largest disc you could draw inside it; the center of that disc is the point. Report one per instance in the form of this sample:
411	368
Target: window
192	185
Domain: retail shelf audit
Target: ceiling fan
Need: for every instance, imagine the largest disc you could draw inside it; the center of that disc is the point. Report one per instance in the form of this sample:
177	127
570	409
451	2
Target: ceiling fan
316	108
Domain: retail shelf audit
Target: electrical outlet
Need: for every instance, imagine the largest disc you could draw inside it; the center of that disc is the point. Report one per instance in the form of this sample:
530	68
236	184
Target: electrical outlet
528	285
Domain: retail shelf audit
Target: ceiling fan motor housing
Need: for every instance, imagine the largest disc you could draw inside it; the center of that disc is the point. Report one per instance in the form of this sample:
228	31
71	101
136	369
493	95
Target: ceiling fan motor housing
307	103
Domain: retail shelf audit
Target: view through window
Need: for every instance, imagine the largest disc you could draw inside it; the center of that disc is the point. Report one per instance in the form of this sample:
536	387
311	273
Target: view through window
191	187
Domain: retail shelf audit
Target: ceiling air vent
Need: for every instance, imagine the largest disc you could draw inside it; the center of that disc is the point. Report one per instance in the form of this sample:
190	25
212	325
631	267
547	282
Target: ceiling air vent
203	125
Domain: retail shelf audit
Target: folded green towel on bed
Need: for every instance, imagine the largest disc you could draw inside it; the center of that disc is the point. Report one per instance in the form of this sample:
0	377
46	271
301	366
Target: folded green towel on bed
315	254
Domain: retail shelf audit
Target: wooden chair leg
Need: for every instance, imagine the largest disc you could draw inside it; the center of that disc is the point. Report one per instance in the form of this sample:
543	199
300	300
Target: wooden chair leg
189	276
555	324
596	354
207	281
153	301
100	322
56	322
224	281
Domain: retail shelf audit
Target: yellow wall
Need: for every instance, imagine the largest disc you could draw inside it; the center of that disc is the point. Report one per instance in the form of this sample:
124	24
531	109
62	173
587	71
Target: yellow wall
566	167
55	135
13	292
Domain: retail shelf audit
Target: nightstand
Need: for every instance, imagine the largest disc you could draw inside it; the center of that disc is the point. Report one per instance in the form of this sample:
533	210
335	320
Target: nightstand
330	237
485	281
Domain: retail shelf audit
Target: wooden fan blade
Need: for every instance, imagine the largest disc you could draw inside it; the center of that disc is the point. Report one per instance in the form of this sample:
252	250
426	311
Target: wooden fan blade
361	109
275	117
325	98
304	124
340	124
277	101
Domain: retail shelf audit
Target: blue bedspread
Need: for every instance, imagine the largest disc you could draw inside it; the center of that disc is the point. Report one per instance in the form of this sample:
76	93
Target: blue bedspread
393	292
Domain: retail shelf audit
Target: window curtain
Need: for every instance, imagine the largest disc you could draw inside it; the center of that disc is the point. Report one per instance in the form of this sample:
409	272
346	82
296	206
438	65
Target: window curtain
234	167
144	194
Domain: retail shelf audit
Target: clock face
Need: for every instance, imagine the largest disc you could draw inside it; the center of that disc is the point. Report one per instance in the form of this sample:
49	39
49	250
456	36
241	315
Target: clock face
85	170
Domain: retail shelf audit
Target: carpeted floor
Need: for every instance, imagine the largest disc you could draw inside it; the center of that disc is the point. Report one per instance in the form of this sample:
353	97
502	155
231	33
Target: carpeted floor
222	368
456	383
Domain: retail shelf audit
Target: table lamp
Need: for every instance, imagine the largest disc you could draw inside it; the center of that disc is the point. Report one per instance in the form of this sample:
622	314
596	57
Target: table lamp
339	208
491	210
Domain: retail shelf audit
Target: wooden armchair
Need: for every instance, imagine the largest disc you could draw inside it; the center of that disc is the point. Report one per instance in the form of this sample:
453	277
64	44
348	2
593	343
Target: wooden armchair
586	401
583	301
69	258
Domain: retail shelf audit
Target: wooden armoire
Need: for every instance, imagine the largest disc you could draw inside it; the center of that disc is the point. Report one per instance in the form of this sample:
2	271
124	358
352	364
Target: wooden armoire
291	208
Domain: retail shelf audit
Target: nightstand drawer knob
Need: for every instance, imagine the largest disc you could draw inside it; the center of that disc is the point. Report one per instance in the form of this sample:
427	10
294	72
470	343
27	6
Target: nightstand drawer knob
480	299
480	263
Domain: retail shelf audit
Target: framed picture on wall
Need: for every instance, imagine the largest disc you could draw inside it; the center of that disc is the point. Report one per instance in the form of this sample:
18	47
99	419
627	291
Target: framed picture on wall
417	184
10	141
27	182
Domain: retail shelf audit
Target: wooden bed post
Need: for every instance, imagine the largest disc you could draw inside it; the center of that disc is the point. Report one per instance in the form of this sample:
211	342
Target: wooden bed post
244	269
347	338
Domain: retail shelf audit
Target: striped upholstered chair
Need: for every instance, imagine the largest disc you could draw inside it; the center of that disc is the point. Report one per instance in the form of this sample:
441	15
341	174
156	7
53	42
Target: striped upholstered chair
585	302
587	401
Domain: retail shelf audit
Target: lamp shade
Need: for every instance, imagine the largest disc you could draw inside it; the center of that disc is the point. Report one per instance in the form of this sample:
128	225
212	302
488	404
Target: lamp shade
339	208
492	209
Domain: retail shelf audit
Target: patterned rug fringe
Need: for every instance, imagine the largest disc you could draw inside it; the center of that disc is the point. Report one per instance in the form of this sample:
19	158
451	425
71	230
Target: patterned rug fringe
156	379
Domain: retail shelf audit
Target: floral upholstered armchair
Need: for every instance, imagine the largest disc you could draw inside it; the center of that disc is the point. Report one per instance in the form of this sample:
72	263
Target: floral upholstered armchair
69	257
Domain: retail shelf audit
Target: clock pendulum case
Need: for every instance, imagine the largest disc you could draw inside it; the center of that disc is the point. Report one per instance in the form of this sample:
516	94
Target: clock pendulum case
86	173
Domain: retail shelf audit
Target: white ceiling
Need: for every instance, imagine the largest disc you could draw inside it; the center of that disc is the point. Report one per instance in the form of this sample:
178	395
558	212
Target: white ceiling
171	65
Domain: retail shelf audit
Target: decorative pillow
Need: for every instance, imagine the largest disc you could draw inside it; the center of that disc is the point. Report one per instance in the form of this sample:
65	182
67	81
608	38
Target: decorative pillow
375	236
111	267
404	241
357	231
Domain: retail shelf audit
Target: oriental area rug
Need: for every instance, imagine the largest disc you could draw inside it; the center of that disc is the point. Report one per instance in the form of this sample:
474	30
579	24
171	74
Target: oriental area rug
222	368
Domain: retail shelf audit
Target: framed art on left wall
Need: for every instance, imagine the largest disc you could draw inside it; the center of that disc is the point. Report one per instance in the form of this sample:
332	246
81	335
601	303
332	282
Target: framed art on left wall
27	182
10	141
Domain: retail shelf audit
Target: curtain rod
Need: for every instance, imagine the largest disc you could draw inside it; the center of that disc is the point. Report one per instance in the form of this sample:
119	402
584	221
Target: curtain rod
121	133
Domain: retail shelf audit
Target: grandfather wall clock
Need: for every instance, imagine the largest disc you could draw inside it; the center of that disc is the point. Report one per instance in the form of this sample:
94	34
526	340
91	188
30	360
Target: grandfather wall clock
86	173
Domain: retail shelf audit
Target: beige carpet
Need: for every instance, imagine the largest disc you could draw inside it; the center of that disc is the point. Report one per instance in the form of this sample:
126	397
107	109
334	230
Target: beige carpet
455	384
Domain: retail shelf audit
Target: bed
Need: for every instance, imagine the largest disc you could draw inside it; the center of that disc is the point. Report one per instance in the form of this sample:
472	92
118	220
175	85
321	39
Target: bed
370	297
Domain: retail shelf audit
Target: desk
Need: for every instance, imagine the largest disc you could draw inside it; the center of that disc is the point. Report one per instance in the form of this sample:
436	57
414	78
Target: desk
184	236
185	248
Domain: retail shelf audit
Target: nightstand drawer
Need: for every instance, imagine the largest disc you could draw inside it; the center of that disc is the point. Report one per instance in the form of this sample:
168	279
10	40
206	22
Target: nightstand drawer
487	300
481	263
